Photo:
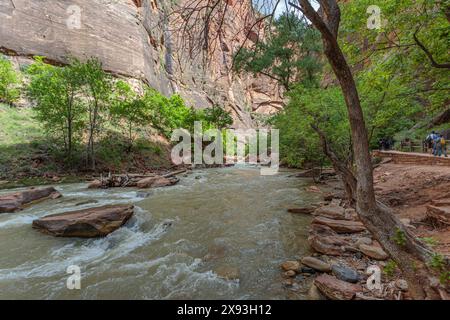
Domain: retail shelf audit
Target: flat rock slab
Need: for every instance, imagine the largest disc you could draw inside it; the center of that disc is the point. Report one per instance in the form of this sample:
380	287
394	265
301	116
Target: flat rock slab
331	211
326	241
16	201
373	252
336	289
88	223
340	226
156	182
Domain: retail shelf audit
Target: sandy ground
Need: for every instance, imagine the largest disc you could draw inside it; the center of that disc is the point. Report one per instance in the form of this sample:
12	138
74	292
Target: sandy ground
408	189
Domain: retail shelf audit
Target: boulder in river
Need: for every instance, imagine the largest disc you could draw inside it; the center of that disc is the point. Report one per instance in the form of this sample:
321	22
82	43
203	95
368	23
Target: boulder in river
87	223
228	272
336	289
302	210
16	201
156	182
340	226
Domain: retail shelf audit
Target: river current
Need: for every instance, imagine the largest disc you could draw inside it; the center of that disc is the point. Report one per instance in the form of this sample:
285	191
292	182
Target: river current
178	245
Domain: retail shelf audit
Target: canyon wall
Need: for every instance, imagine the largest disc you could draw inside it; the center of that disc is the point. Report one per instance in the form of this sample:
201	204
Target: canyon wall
139	39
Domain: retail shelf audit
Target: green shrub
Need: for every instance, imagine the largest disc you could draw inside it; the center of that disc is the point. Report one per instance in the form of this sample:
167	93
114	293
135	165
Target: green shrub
9	82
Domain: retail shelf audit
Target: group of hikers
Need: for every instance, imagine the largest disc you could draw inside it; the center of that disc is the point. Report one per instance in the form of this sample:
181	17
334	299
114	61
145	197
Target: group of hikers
386	143
437	143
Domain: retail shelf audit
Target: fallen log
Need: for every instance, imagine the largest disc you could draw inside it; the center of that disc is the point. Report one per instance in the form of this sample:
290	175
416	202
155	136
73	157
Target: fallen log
16	201
174	173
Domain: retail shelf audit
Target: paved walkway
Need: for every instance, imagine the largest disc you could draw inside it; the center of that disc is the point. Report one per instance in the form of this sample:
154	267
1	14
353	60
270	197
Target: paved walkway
412	158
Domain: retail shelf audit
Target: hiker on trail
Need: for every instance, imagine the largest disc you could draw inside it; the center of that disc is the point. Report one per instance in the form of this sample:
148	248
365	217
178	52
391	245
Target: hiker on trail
389	143
430	141
441	146
381	144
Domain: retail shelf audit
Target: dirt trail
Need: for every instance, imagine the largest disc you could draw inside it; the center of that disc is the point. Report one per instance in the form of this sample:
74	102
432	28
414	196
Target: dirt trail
408	189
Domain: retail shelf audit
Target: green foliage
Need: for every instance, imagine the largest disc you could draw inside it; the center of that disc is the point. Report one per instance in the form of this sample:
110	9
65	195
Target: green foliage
217	117
437	261
299	143
392	51
444	278
289	55
399	237
126	106
9	81
390	268
55	91
430	241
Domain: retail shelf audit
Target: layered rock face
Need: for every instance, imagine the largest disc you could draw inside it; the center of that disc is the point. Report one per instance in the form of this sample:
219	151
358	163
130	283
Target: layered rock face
139	39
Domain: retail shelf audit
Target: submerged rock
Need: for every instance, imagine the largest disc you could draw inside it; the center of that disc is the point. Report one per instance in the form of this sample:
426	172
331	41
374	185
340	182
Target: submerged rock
290	273
156	182
302	210
291	265
87	223
82	203
16	201
228	272
336	289
96	184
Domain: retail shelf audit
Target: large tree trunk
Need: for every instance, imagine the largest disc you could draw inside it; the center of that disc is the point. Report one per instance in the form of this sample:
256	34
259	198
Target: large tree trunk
379	220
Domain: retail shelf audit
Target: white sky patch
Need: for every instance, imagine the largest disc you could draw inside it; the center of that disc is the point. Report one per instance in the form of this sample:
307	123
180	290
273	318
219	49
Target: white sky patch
281	8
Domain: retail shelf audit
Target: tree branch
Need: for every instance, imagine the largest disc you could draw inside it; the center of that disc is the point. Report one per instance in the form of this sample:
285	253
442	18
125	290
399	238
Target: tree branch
428	53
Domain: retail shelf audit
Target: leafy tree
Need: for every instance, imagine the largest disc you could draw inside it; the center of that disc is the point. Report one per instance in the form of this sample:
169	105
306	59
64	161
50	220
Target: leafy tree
411	46
165	114
128	107
97	89
9	81
324	109
55	92
217	117
291	54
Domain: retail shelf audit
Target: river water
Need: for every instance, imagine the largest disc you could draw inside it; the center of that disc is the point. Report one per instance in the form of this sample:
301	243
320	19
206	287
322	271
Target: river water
175	245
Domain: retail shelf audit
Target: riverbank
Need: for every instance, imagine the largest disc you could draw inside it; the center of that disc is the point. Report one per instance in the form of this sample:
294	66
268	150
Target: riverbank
345	254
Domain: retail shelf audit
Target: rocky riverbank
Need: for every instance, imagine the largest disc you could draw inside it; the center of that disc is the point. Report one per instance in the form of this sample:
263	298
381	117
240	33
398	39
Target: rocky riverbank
345	257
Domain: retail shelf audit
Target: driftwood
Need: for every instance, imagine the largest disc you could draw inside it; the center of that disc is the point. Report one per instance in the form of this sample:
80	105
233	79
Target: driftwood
128	180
